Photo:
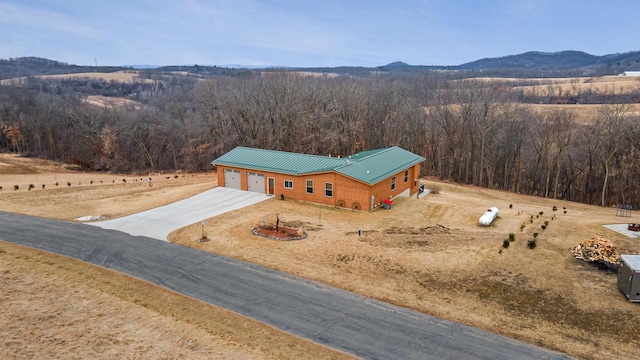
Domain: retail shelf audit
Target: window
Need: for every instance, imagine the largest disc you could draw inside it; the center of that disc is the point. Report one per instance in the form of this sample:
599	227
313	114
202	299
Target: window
288	184
309	186
393	183
328	189
406	176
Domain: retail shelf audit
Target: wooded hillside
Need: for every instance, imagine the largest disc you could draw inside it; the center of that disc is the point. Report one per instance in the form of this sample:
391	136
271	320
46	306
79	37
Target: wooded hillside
470	131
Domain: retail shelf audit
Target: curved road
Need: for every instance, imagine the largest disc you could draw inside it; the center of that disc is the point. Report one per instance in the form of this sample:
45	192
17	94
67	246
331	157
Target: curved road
342	320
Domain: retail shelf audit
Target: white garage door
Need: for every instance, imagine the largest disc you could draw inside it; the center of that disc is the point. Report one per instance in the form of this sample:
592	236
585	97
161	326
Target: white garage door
232	178
255	182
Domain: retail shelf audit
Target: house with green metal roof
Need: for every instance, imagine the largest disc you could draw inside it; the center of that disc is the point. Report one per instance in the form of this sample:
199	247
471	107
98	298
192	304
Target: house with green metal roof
362	181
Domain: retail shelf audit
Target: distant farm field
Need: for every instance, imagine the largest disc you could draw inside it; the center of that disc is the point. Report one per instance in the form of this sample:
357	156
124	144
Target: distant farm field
584	113
573	86
429	254
125	76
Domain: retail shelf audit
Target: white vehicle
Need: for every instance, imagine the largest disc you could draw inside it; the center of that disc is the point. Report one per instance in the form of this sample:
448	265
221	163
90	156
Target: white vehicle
487	218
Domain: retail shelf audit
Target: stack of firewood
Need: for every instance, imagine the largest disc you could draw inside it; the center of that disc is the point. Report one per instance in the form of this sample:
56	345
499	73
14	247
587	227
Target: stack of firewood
598	250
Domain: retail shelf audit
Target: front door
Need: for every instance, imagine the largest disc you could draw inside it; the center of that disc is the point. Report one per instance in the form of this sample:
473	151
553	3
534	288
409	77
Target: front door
272	186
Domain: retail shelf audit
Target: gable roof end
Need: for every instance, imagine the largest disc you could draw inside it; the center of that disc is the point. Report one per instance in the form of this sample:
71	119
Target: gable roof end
374	166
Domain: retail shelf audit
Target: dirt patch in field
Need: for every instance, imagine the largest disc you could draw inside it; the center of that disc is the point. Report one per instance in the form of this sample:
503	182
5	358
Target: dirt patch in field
429	254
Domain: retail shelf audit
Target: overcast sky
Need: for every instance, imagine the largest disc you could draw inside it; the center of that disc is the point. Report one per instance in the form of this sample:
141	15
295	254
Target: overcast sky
311	32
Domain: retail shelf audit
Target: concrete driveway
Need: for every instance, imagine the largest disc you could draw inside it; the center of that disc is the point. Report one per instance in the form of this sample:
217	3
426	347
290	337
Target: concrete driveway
159	222
623	229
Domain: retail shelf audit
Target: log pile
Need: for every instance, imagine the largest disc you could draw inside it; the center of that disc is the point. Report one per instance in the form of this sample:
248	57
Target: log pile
599	251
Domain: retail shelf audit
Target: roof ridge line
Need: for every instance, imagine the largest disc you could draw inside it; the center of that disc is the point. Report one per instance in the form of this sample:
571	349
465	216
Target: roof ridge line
291	152
380	151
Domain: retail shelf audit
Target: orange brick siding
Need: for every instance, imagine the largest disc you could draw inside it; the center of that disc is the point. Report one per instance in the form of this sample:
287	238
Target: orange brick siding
347	192
382	190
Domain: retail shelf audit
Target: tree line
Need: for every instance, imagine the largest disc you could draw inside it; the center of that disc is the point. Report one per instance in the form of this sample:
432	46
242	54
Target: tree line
471	132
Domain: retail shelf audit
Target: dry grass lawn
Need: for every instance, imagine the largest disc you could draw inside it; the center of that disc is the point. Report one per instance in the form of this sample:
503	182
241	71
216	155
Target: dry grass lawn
428	254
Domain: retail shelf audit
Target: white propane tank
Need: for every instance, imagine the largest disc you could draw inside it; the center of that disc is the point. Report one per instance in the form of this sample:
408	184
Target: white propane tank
487	218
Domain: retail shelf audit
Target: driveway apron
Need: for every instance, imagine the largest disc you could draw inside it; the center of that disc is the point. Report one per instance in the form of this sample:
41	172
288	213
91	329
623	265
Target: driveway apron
158	223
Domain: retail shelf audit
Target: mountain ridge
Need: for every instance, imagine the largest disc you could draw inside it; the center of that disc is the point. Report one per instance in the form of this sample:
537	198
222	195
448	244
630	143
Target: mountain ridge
560	63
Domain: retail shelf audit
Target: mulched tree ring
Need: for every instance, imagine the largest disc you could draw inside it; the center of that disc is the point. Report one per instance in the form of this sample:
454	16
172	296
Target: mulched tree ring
283	233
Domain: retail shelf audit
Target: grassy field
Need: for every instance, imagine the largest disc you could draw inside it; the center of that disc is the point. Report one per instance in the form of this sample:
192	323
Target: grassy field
584	113
128	76
427	254
575	85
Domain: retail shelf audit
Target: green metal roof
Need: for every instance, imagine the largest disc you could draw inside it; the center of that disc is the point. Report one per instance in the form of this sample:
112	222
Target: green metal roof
370	166
374	166
278	161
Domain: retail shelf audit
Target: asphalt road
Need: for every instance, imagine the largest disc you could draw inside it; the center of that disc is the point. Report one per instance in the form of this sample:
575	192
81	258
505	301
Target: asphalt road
346	321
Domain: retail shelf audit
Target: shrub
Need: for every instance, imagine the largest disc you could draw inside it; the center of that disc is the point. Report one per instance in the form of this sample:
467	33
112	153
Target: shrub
56	183
554	208
42	186
510	206
540	213
512	237
535	235
124	180
532	244
68	183
16	187
565	211
546	222
505	244
522	226
31	186
544	227
531	221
